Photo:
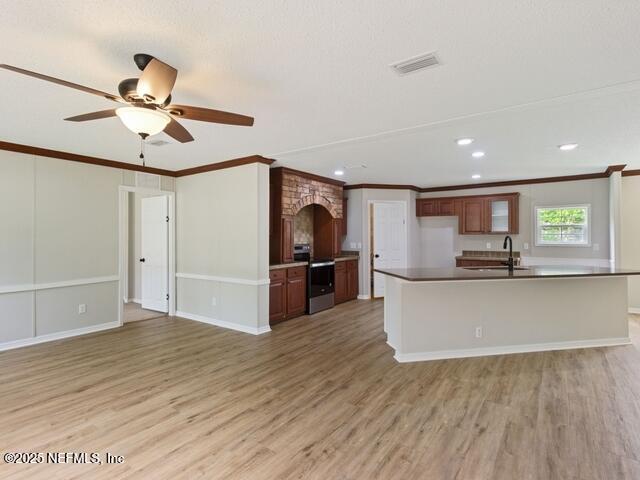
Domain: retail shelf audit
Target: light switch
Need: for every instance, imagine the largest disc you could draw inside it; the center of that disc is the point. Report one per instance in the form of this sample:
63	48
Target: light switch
214	301
488	245
526	246
82	308
352	245
596	247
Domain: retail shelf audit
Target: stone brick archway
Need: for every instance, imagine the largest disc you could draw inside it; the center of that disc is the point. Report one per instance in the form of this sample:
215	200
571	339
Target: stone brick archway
317	199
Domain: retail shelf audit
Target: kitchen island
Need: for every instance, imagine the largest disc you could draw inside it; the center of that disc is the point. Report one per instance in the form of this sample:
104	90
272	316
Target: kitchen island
438	313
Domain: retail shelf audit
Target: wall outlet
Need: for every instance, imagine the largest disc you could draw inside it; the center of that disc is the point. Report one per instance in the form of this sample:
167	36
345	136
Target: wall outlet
82	308
488	245
596	247
214	301
525	246
478	332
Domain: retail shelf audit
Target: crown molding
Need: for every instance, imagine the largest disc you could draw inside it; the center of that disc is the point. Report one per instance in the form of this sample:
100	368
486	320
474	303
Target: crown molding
506	183
74	157
382	186
236	162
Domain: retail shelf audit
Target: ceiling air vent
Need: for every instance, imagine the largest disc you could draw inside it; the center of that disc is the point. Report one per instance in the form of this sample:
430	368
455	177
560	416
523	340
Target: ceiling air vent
159	143
416	63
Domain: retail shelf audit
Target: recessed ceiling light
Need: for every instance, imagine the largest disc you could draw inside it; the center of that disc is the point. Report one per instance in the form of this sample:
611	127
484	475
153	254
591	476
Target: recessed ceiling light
565	147
339	172
475	176
477	154
464	141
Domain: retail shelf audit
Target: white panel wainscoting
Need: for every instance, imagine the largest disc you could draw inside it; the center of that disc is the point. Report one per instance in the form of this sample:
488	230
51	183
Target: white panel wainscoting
37	313
227	302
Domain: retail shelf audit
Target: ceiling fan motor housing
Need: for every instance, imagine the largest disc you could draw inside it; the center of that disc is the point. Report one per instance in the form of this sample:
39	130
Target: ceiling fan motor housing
128	89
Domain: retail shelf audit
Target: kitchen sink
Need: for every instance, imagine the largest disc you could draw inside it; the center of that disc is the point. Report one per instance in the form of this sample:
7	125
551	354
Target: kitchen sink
490	269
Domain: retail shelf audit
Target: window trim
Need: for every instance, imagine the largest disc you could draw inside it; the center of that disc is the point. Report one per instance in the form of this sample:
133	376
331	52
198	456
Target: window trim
539	243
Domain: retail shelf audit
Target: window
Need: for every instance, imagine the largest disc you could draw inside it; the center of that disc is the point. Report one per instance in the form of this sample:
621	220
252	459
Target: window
568	225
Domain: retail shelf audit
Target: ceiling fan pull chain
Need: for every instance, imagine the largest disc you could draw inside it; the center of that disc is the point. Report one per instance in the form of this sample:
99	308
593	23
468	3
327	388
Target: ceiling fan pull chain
142	137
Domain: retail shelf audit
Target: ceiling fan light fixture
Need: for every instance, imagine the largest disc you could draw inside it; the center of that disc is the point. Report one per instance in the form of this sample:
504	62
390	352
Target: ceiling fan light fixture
143	120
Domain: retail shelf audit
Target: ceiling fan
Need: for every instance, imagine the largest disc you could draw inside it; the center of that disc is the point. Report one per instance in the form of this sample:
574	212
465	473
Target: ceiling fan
147	108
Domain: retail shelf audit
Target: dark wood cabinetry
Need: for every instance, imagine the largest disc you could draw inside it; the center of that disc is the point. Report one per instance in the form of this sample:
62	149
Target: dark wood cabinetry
296	291
477	214
478	263
472	220
344	216
428	207
346	281
287	293
287	240
277	295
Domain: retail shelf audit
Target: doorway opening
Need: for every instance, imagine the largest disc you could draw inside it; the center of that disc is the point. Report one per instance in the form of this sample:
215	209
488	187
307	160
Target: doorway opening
147	268
387	240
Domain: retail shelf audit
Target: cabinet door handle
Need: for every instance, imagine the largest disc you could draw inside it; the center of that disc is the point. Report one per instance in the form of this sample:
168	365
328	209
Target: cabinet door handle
142	260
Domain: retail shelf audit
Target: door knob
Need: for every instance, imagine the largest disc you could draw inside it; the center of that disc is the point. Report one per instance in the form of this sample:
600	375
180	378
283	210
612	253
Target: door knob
376	256
142	260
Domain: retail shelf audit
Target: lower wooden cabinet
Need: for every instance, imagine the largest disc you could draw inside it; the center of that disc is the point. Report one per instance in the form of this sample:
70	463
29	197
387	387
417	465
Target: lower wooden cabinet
277	295
287	293
346	281
296	291
482	263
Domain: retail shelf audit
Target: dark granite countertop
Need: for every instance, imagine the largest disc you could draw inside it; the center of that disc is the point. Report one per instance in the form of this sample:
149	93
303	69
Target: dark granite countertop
487	273
341	258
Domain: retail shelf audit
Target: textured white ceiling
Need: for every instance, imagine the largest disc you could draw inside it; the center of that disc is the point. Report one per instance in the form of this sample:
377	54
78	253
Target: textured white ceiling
315	73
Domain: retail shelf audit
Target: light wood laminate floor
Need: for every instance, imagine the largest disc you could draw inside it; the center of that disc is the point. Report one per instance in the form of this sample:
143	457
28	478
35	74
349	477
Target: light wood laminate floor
318	398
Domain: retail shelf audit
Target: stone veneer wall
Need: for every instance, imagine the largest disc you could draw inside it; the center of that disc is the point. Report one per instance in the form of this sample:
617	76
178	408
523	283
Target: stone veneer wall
298	192
303	226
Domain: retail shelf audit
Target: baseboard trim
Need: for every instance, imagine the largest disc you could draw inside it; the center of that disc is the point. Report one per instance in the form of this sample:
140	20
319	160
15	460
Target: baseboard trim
364	297
634	310
50	337
223	324
509	349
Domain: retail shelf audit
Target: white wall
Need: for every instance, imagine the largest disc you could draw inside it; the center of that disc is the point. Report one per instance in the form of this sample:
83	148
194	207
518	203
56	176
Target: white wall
594	192
630	214
58	247
222	247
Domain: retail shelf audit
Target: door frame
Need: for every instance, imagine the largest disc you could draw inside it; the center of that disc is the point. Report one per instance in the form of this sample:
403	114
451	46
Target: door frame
370	217
123	245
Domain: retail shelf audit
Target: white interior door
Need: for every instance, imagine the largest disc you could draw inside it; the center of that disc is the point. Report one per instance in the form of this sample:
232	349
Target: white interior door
154	239
389	240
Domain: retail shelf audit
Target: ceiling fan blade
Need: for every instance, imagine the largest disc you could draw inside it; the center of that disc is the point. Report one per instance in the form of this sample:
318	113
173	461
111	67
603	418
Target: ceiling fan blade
93	116
209	115
64	83
177	131
157	81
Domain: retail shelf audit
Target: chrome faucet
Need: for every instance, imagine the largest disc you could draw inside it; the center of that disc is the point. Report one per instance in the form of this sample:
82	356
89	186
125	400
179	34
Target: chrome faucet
509	262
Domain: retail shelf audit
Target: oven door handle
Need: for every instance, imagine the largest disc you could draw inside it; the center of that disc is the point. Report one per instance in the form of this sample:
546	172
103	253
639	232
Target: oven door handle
322	264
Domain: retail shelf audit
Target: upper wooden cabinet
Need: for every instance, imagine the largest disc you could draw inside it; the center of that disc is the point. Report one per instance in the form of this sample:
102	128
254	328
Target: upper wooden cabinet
477	214
344	216
473	216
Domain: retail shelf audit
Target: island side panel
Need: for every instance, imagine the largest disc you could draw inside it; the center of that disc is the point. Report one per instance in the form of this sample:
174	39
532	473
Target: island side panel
393	310
439	319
